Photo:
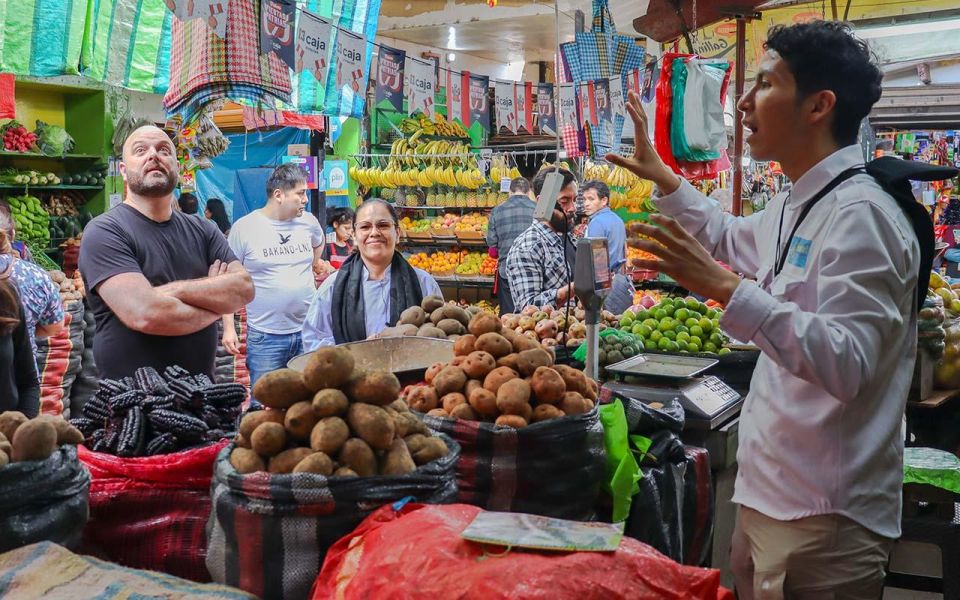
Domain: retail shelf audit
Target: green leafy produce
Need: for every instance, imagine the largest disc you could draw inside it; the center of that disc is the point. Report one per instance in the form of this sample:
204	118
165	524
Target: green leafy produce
54	140
32	221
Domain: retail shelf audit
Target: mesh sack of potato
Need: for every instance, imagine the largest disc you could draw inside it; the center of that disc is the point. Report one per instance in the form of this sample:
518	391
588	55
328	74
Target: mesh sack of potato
59	359
269	533
43	500
418	551
151	512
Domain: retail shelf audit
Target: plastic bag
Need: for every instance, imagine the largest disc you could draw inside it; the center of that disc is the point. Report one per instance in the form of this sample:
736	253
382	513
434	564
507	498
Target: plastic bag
151	512
58	362
553	468
932	467
43	500
931	335
946	375
703	127
417	552
623	471
268	534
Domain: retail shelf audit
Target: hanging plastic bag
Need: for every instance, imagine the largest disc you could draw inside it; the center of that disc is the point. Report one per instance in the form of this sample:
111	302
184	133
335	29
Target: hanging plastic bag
703	106
623	472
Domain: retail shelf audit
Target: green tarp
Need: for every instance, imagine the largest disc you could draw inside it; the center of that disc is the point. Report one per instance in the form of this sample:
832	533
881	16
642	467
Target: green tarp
41	38
127	44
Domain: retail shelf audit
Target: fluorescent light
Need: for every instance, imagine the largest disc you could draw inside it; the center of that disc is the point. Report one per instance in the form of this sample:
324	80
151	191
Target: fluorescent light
451	57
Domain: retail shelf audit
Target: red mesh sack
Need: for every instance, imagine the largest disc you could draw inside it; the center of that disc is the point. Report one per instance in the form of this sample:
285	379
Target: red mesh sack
417	552
151	512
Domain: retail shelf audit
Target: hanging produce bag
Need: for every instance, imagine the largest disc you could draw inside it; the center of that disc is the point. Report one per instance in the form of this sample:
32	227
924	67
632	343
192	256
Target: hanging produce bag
553	468
417	552
703	126
701	108
151	512
59	358
43	500
594	47
41	39
268	533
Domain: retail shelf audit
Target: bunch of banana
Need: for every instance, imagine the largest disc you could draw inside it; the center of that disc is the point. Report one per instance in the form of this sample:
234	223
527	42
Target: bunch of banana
449	128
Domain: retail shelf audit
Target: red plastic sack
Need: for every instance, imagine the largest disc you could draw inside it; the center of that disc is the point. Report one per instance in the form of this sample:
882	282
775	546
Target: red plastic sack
151	512
417	552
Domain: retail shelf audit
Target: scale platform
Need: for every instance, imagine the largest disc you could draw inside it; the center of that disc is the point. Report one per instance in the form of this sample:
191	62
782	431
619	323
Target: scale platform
707	402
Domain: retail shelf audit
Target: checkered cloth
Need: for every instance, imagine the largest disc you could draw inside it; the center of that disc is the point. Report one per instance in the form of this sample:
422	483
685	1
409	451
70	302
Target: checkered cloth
536	267
507	222
204	67
571	140
571	61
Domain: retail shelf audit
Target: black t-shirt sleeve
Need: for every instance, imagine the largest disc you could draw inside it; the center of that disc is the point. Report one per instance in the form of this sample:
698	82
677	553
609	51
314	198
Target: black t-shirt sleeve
217	246
325	254
25	370
105	252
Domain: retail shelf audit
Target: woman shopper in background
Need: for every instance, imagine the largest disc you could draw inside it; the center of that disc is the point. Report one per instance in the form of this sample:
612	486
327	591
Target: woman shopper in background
216	212
336	251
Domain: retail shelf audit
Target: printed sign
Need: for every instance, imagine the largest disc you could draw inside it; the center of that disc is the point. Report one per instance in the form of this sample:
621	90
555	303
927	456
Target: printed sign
617	100
276	29
455	89
390	77
634	82
568	104
477	96
421	86
313	45
308	164
545	108
650	75
351	54
525	105
601	98
506	98
335	181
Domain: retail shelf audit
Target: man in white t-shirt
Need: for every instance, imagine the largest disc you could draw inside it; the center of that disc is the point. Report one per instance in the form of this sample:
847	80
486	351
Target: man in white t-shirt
278	245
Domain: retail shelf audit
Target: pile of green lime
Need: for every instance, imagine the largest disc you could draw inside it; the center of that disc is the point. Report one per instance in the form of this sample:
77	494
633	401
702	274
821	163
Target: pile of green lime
682	325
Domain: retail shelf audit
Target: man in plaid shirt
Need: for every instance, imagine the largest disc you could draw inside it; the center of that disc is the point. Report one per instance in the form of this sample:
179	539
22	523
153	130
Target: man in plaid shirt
536	266
507	222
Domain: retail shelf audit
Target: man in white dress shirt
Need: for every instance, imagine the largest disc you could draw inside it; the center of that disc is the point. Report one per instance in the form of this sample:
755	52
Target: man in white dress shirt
833	309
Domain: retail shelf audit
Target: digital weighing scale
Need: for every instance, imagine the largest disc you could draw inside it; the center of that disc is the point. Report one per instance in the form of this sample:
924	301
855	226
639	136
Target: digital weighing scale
592	281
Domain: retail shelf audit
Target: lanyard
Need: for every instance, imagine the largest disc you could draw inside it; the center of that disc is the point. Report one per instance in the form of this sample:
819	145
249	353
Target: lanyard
782	258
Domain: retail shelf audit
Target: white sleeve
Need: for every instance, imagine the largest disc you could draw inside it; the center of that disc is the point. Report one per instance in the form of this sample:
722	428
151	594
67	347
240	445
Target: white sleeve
318	324
866	270
317	237
236	242
728	238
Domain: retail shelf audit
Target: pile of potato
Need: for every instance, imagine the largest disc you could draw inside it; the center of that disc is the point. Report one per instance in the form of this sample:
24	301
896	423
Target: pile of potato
69	291
434	318
23	439
501	376
547	324
332	420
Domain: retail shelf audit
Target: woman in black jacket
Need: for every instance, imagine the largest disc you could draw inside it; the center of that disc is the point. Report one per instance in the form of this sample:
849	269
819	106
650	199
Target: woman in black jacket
19	383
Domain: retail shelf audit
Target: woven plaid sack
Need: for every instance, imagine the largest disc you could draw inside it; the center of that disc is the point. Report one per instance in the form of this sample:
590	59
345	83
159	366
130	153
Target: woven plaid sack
268	534
59	359
151	512
553	468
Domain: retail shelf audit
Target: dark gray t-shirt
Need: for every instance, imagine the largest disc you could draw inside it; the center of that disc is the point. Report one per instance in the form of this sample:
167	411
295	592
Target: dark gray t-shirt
123	240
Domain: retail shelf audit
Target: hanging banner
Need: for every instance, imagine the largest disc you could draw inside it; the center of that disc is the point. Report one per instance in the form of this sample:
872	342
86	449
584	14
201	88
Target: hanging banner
179	8
650	75
477	100
548	116
525	105
634	82
276	29
455	95
390	65
313	45
588	103
601	99
617	99
421	86
213	12
351	52
568	105
506	99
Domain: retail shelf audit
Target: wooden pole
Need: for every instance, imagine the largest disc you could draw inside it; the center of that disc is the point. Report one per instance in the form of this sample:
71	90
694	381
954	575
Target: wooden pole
738	118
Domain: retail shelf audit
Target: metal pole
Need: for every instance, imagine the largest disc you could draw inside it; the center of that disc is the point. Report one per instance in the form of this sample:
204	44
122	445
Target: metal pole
592	365
738	118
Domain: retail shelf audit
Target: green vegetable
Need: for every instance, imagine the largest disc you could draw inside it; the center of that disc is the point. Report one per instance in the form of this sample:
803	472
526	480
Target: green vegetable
54	140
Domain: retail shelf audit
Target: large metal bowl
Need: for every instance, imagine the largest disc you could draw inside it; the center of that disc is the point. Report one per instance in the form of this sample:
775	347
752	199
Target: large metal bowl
398	355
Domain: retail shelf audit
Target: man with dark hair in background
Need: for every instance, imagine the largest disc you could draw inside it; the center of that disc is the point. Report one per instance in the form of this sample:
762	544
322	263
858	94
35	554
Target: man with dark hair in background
507	222
278	244
188	204
604	223
537	265
833	310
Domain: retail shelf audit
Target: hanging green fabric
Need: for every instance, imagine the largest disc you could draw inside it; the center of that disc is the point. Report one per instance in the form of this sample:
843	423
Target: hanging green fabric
127	44
41	38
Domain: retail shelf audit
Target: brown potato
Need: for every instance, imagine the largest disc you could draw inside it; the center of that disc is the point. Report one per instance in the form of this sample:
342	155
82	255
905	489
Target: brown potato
374	387
452	311
423	398
4	459
345	472
268	439
593	389
397	460
432	449
407	330
494	343
457	361
9	421
479	364
526	411
34	440
573	404
439	413
485	323
66	433
431	332
287	460
464	345
522	342
299	421
359	457
498	377
316	462
465	412
433	370
451	327
547	385
253	419
510	361
450	401
529	360
328	367
512	396
330	403
472	384
399	405
508	334
484	402
242	442
246	461
416	441
544	412
407	423
414	315
436	316
281	389
372	424
574	379
329	435
511	421
431	303
449	380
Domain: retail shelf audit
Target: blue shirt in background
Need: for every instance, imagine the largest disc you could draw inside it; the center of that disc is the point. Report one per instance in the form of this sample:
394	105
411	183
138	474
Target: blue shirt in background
607	224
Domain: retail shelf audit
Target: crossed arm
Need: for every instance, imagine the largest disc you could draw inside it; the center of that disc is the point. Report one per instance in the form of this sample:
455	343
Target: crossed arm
179	307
